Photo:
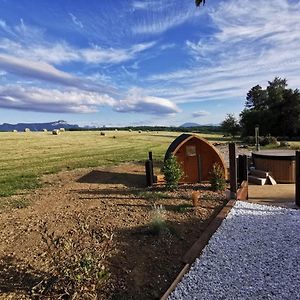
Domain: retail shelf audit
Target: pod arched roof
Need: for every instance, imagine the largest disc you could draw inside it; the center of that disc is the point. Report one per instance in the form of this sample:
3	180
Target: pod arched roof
182	139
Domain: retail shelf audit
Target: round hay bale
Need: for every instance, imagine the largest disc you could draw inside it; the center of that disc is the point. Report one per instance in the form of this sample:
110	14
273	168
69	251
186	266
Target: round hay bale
15	130
62	129
45	130
26	130
140	131
116	129
114	137
56	131
130	130
102	133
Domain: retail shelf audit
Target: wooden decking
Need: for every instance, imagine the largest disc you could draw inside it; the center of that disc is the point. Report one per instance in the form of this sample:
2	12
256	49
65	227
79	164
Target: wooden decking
277	195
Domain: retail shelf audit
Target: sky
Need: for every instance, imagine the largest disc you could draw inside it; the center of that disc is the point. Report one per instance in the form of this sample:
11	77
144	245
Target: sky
141	62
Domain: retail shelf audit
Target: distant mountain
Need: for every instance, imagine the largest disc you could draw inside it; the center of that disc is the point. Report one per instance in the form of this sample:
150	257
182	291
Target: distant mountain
37	126
189	124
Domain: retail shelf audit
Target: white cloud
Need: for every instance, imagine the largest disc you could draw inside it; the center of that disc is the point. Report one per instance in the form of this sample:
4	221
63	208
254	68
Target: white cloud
78	101
246	49
163	16
137	101
59	53
52	100
76	21
201	113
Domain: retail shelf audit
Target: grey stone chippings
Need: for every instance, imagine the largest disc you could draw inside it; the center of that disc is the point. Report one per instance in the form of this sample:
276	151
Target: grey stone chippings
255	254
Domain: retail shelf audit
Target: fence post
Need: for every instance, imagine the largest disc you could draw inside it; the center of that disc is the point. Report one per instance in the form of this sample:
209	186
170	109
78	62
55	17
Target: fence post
149	172
152	168
297	179
233	170
150	155
242	168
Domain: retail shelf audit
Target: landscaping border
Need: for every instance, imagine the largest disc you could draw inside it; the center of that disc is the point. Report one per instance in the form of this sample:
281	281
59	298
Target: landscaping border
196	249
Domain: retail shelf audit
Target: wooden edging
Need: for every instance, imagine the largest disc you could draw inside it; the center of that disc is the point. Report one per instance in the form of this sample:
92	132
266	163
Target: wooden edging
196	249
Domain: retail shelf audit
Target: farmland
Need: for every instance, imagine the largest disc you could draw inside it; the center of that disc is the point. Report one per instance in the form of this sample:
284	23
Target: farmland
92	230
25	157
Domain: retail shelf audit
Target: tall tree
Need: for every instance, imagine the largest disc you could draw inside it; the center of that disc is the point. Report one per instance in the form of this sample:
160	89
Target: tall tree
276	109
230	125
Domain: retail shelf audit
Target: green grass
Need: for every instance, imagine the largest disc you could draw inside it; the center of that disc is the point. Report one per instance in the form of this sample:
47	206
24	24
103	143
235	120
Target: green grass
25	157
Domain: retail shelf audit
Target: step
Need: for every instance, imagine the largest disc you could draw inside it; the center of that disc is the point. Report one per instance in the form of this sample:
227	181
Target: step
271	180
257	180
259	173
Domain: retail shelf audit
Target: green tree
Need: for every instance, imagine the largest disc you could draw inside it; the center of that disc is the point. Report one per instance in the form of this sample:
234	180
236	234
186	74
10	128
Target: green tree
275	109
230	125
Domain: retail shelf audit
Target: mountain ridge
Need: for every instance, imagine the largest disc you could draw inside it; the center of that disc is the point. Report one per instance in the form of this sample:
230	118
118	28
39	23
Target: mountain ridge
37	126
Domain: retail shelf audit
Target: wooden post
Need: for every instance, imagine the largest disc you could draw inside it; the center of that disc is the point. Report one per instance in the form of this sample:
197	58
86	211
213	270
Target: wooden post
149	172
297	177
152	168
233	170
242	168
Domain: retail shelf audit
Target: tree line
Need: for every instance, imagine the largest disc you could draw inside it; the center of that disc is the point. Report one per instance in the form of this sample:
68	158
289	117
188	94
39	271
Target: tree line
275	109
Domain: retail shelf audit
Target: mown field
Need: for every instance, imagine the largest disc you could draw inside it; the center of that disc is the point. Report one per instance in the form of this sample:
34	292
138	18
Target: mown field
26	156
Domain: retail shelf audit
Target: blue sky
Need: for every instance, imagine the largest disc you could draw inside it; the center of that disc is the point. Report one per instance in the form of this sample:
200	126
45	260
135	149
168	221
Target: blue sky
141	62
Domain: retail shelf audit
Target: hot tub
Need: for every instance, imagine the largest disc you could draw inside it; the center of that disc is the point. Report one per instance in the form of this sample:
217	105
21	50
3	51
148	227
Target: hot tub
280	163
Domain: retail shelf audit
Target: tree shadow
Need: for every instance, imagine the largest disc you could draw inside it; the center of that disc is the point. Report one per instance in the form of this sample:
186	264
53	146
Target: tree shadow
17	276
106	177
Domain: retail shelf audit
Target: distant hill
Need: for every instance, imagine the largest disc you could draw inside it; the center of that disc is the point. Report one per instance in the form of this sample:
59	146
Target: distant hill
189	124
37	126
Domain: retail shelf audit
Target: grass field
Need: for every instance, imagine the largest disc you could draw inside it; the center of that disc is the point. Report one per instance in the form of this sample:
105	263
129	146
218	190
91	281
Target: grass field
24	157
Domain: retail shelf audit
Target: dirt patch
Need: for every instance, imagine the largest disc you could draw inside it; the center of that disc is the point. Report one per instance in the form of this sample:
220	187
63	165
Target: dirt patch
150	231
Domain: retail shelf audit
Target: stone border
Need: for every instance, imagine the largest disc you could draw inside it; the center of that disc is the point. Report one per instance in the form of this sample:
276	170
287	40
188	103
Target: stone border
196	249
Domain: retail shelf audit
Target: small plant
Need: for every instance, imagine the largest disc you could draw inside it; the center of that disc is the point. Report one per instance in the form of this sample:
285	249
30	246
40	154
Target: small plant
158	223
20	203
172	172
217	179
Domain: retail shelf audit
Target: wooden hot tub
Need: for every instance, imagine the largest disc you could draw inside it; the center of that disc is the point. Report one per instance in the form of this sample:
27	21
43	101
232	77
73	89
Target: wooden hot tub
280	163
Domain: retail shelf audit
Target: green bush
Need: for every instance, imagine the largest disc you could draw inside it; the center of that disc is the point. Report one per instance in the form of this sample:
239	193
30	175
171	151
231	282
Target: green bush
217	179
172	172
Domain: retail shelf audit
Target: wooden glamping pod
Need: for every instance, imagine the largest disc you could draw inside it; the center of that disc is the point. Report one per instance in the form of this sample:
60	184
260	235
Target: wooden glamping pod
197	157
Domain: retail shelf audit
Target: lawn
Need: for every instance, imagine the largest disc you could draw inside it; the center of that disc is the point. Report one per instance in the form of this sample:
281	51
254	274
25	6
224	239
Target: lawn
25	157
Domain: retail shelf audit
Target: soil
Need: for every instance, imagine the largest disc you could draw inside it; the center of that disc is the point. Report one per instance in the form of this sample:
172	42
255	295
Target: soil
141	262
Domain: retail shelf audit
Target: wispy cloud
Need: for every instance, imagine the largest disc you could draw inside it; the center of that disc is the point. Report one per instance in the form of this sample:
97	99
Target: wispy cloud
163	16
76	21
137	101
201	113
42	71
246	49
60	53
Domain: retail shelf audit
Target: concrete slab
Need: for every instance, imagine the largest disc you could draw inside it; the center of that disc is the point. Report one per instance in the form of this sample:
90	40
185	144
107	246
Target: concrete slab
282	195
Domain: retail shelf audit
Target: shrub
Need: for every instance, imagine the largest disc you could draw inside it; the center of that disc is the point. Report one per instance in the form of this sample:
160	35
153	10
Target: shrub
172	172
217	179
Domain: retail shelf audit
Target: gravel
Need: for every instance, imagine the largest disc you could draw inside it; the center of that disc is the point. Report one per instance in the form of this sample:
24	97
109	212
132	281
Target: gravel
255	254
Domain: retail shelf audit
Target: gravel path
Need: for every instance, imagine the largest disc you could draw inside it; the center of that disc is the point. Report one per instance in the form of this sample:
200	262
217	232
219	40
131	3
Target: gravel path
255	254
